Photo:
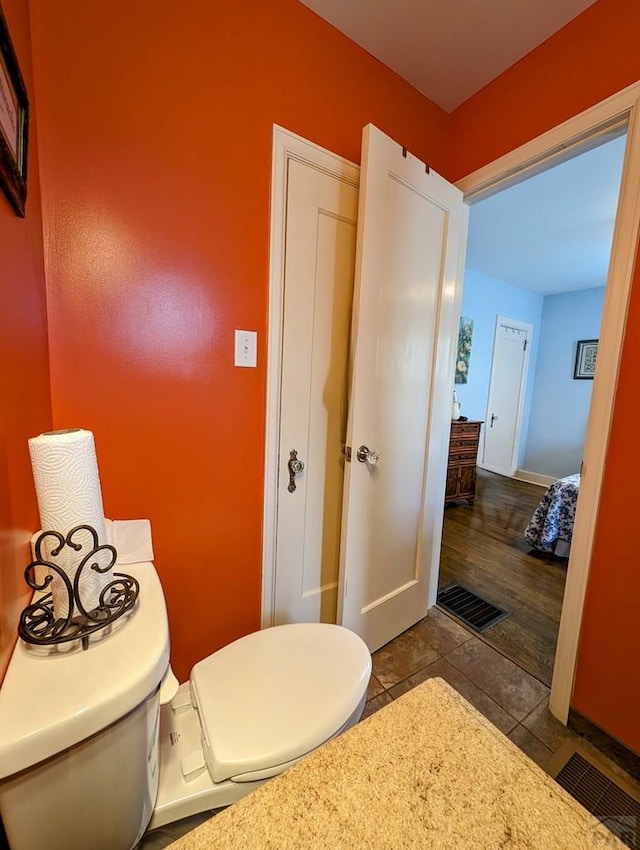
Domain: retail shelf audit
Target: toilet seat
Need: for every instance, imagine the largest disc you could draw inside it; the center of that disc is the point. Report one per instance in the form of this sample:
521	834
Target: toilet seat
273	696
254	708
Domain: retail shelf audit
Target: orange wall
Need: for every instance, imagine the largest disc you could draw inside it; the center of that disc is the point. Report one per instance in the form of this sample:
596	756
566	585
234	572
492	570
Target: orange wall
592	57
156	154
156	138
25	406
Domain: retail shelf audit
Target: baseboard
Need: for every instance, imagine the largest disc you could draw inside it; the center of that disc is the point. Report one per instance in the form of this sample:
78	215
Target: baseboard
523	475
534	477
501	472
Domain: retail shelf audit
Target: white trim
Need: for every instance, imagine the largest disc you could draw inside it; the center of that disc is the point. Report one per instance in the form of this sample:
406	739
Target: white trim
286	146
534	477
533	156
508	169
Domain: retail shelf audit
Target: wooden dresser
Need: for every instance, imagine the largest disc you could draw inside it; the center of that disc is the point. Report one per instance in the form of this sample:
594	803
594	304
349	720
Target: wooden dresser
461	467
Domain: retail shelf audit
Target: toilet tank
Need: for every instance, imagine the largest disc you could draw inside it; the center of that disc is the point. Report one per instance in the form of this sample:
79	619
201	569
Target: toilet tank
79	740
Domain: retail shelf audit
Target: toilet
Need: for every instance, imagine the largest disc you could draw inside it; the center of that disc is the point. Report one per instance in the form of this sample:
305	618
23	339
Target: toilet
99	745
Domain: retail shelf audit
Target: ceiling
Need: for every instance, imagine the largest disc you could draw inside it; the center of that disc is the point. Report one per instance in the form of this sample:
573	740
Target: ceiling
551	233
448	49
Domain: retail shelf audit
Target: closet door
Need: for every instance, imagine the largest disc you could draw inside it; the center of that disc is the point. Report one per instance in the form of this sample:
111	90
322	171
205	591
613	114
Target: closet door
320	240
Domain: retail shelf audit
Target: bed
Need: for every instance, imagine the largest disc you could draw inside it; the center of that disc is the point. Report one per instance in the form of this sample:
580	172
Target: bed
551	526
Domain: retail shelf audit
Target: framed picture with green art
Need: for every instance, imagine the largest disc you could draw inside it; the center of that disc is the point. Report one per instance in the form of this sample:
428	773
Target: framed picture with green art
464	350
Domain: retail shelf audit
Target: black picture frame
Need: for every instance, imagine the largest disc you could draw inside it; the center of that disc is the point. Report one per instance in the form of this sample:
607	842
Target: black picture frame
14	124
586	353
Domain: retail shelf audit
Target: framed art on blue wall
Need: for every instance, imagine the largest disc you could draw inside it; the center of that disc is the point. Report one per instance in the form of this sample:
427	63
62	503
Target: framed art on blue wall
464	350
14	124
585	365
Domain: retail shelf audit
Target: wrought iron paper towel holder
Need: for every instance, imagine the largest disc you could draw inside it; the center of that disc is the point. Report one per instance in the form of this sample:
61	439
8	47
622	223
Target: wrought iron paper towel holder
38	623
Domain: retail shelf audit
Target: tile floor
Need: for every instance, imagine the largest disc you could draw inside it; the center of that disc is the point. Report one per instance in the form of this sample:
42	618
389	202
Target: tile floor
507	695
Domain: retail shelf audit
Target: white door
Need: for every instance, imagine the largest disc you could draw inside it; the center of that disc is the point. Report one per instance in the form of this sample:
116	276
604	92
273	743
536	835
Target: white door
412	228
506	395
320	238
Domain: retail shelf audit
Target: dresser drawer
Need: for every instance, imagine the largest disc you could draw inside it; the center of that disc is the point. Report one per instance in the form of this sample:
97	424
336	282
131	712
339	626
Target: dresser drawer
457	442
460	429
469	452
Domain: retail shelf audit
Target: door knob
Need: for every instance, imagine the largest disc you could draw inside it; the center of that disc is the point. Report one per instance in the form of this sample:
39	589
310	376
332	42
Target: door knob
365	455
494	418
295	466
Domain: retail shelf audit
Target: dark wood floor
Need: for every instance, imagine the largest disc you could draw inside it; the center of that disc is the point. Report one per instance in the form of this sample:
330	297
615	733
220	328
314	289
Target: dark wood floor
483	549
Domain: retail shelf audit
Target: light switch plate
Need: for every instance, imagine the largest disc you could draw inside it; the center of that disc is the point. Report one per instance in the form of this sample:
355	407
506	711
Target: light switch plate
246	348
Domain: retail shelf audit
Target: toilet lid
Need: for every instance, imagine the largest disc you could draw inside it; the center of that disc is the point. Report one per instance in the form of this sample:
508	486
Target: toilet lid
275	695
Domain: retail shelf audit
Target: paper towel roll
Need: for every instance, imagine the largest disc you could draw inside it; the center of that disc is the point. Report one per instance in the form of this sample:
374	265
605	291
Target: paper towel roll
65	473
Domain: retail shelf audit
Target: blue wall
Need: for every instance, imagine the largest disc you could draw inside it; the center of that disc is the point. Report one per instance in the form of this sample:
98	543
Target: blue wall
483	299
560	409
556	406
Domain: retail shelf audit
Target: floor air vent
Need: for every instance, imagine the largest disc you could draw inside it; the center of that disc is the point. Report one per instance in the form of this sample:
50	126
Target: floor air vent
474	611
612	799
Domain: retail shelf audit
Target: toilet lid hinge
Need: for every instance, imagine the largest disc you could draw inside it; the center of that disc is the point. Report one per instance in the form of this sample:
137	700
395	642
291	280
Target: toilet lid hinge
192	765
182	701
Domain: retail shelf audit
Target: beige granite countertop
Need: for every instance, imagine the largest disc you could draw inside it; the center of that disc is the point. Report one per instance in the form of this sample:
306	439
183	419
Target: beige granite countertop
427	771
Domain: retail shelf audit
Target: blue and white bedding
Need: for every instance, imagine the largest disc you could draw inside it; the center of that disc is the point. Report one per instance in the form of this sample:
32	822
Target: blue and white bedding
551	526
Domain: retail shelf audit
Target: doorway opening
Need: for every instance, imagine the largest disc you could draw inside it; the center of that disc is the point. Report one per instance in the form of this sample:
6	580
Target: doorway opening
538	253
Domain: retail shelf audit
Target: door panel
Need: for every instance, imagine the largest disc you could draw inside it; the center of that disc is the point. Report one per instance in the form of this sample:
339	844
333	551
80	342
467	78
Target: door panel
506	395
402	364
319	267
411	235
467	478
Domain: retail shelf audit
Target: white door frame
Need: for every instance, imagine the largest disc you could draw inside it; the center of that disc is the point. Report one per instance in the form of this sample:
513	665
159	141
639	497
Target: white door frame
617	111
286	146
528	328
